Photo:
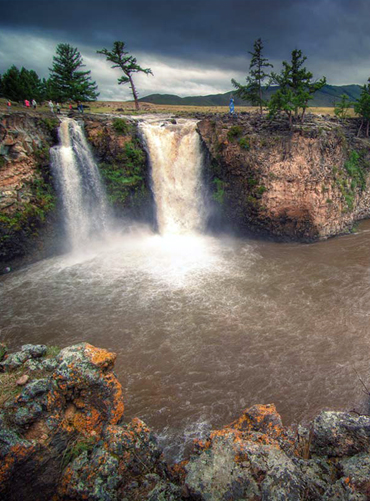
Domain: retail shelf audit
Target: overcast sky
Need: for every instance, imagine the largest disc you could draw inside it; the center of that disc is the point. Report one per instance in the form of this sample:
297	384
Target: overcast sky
194	47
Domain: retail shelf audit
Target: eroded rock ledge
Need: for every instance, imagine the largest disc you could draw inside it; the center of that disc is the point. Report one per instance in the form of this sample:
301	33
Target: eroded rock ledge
62	437
302	184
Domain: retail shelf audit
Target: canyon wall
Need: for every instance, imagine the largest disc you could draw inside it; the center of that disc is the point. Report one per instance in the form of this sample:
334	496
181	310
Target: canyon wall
304	184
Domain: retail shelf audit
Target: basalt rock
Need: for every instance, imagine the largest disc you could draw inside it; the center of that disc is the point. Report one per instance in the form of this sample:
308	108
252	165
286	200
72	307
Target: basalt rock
63	437
305	183
27	196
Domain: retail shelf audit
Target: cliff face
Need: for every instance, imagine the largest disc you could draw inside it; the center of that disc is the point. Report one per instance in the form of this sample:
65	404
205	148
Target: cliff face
30	223
62	437
305	184
27	197
123	165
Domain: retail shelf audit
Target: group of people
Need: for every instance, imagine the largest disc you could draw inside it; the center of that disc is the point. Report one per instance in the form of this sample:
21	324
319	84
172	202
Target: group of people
58	107
28	104
33	103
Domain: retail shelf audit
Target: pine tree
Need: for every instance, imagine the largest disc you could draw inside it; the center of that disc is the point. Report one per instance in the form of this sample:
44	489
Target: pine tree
341	109
295	88
67	81
20	85
253	90
128	64
362	108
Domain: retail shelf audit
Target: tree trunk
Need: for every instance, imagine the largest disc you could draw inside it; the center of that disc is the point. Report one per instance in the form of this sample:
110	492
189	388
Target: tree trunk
359	130
134	93
260	93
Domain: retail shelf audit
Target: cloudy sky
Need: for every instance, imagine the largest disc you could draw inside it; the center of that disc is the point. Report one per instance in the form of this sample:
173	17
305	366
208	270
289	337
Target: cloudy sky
194	47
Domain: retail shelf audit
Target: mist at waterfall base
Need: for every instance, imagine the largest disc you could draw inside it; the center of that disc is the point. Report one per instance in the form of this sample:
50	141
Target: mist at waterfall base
204	326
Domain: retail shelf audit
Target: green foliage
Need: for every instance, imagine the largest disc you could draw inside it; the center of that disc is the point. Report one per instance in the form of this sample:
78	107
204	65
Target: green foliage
219	193
295	88
362	107
124	177
354	168
127	63
18	85
51	123
261	190
67	81
234	132
252	92
244	143
52	351
121	126
342	108
75	449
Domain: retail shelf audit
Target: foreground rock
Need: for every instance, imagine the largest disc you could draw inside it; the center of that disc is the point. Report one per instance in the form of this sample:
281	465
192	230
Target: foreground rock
306	183
62	437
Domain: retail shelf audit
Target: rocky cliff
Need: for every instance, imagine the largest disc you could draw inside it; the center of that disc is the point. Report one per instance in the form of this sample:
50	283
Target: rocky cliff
308	183
31	225
27	196
62	437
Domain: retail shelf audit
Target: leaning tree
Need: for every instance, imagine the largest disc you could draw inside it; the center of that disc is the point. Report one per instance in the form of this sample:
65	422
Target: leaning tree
127	63
67	81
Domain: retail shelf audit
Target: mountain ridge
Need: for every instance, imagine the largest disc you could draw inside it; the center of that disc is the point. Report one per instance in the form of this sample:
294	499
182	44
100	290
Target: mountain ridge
328	96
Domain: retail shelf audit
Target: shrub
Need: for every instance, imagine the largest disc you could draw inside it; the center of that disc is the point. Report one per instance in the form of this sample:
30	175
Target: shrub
234	132
244	143
121	126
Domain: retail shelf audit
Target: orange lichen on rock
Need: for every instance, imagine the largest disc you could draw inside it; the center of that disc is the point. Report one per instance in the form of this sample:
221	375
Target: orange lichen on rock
100	357
261	418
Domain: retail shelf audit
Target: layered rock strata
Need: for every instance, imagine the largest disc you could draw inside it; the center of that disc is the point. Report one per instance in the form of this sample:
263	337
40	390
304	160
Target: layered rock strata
306	183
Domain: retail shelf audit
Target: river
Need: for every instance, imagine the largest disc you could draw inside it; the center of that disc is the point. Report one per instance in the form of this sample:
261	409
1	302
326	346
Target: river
205	326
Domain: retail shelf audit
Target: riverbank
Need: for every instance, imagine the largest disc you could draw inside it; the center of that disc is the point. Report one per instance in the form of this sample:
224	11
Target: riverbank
63	436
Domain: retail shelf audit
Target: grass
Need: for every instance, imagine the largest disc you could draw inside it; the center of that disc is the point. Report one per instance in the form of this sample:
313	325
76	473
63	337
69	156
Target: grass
128	108
8	380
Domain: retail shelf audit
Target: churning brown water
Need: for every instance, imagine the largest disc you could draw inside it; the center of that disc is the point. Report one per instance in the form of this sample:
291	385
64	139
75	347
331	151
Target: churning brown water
205	327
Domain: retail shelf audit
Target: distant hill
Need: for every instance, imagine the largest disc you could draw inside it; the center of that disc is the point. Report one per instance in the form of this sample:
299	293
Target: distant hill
326	97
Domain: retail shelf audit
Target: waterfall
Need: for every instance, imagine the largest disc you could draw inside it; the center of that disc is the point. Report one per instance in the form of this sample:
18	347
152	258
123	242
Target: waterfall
176	160
83	196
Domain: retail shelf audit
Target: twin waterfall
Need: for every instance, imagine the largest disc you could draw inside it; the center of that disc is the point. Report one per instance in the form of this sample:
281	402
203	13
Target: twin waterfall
175	158
85	204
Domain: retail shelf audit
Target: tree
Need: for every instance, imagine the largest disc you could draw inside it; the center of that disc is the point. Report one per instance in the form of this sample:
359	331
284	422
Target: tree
128	64
20	85
341	109
253	90
67	81
295	88
362	108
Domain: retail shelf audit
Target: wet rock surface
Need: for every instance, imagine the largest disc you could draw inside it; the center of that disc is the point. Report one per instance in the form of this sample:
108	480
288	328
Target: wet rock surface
305	183
63	436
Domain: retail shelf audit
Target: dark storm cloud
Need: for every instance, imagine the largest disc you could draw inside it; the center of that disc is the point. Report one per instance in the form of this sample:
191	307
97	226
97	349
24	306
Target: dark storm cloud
334	34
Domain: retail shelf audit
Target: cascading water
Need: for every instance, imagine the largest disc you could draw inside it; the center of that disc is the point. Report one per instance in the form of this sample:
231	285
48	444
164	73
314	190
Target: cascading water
176	160
83	196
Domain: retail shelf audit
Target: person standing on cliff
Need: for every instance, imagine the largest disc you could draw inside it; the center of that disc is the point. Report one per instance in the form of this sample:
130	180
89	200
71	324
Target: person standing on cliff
34	104
51	106
231	106
9	105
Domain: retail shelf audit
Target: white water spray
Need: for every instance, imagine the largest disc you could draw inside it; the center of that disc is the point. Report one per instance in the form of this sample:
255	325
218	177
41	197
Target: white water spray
84	200
176	160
